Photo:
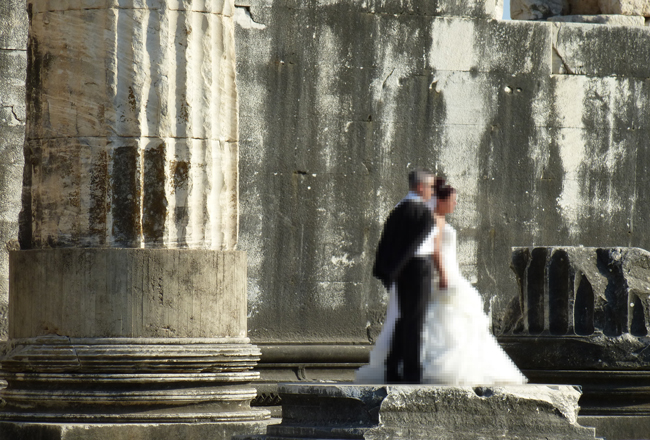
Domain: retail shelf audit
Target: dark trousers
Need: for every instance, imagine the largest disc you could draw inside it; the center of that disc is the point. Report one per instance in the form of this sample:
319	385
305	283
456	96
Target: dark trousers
413	290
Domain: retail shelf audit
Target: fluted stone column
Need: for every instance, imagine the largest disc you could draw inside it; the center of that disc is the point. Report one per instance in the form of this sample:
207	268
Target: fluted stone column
127	298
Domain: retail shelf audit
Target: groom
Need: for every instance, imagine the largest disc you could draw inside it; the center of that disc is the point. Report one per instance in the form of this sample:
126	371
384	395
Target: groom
404	259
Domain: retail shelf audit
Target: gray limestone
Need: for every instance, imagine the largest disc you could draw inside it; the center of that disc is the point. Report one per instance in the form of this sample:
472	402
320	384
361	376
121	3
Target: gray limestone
139	148
128	293
630	43
13	65
598	296
585	7
530	412
620	427
612	19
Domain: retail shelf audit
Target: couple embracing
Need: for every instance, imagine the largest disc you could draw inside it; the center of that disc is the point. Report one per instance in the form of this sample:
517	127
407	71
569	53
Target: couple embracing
438	333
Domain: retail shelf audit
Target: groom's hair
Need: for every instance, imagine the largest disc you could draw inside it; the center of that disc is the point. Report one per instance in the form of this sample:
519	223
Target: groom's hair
417	176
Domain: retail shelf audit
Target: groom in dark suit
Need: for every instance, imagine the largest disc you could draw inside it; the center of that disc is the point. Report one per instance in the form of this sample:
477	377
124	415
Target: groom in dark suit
404	259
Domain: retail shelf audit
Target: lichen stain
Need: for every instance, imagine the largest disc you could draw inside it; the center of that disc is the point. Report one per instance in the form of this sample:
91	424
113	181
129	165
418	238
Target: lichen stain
132	101
126	196
184	112
98	194
38	65
180	173
154	201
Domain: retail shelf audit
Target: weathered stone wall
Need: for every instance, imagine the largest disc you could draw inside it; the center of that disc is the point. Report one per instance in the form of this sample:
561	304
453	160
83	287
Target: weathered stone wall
542	127
13	62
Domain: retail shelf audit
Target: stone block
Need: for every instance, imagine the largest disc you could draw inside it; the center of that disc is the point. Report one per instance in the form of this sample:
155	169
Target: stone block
625	7
537	9
598	297
615	20
436	8
130	293
530	412
128	336
629	46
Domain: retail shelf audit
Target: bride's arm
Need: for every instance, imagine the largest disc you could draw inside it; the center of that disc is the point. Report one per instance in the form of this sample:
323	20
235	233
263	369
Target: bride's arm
437	256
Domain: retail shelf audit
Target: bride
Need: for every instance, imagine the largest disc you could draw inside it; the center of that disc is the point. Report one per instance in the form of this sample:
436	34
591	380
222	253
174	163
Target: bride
457	346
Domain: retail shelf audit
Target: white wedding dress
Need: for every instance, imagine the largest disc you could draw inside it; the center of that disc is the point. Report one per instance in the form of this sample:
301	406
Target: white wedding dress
457	346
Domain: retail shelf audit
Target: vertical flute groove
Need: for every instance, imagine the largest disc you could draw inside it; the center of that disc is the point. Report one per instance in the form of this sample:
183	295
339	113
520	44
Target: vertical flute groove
136	150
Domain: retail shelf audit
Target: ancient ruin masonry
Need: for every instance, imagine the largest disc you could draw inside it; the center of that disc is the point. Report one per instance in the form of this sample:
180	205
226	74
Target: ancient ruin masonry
428	412
128	299
583	317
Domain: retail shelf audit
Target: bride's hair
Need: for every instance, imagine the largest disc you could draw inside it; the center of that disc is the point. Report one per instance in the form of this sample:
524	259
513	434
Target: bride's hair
443	191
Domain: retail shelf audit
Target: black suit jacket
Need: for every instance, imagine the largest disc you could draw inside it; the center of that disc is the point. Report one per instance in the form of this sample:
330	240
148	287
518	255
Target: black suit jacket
404	231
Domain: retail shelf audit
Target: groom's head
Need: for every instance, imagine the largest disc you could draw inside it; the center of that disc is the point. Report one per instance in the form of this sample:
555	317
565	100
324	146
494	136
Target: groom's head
420	182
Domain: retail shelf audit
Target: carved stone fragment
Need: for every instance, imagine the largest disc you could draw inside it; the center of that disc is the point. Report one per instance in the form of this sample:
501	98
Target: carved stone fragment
583	317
